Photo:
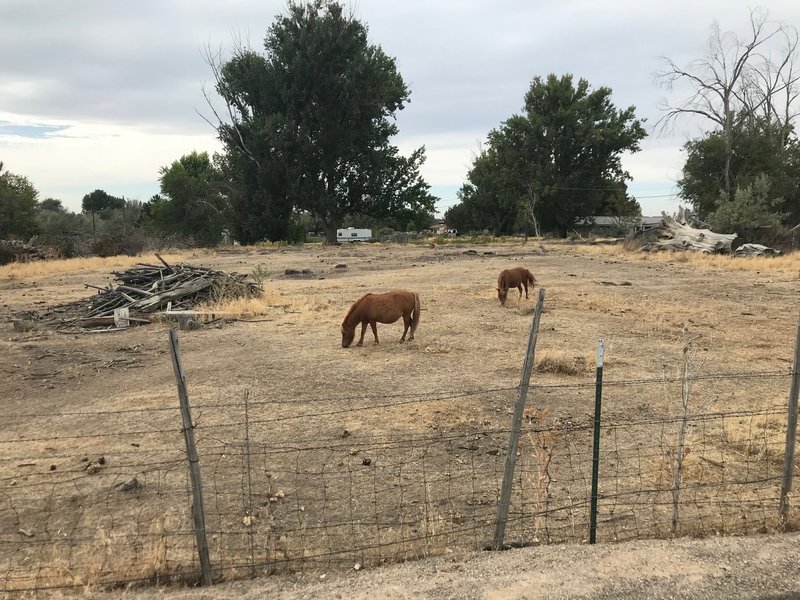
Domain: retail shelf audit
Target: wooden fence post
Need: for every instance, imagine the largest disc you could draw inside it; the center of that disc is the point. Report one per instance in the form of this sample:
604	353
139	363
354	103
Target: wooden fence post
516	429
791	435
198	515
598	396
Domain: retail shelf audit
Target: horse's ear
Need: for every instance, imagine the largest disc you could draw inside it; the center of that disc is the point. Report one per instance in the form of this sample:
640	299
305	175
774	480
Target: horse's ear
498	289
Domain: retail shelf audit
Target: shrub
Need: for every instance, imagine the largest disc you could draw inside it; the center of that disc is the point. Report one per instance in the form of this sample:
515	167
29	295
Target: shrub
131	244
6	256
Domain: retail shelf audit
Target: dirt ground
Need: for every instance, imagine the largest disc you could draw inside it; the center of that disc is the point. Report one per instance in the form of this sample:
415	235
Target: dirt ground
70	395
763	568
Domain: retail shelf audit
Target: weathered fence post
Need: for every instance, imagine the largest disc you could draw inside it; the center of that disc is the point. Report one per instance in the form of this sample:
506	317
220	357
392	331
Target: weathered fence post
791	435
598	396
516	428
198	514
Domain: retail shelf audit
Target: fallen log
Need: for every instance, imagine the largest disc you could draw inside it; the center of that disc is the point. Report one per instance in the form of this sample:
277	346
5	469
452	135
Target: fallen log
756	250
108	321
675	235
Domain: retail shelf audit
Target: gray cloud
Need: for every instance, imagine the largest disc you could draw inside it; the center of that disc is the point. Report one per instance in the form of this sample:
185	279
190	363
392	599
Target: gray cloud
468	62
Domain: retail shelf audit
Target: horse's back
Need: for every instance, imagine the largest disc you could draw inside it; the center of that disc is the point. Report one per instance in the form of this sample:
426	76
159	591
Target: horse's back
389	306
514	277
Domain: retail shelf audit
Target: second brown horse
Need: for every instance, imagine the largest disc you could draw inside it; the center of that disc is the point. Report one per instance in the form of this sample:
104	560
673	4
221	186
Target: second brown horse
381	308
514	278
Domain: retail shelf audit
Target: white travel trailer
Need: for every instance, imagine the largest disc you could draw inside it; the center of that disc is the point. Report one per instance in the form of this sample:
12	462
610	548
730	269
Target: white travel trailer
353	235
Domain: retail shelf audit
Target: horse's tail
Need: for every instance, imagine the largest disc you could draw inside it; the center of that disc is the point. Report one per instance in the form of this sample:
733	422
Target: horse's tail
415	316
531	278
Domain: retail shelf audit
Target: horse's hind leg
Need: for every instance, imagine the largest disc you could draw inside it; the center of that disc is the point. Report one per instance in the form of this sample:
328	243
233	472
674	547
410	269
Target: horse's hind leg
519	287
374	330
406	325
524	283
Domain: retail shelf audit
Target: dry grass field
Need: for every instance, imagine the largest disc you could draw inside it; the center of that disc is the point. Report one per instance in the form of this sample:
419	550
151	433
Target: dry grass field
71	397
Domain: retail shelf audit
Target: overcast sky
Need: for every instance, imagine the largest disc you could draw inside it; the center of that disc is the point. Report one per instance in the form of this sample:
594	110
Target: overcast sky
101	93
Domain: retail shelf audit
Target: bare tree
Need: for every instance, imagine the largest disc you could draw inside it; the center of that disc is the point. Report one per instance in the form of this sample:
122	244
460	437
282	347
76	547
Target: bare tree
774	88
237	108
737	79
690	407
529	208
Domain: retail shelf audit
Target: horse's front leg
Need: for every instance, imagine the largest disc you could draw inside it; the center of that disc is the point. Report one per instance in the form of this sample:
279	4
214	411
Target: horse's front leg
374	330
363	330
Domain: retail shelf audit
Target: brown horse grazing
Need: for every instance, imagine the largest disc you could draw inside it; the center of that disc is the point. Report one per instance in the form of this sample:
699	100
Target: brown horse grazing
381	308
510	278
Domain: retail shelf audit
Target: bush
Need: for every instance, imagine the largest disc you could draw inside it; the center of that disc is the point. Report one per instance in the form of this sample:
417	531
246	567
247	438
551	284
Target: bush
6	256
751	208
131	244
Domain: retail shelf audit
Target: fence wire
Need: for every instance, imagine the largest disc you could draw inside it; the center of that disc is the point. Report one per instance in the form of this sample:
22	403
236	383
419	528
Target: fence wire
293	484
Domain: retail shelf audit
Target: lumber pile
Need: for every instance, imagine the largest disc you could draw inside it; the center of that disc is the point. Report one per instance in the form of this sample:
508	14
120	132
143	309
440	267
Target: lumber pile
146	289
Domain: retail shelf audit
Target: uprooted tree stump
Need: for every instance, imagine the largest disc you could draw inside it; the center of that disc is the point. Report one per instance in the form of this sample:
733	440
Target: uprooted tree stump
677	235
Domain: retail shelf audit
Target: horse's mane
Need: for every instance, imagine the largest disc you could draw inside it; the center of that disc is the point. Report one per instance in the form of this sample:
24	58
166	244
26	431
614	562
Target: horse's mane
353	308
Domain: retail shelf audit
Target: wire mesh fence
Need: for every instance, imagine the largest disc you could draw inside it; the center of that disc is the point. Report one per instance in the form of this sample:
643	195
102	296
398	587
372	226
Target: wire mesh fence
294	483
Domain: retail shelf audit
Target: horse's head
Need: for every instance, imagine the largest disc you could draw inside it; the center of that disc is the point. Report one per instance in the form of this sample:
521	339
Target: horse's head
348	333
502	294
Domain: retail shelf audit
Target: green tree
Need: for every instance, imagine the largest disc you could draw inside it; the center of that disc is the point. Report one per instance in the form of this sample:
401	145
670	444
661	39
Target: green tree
192	201
52	204
557	163
61	228
310	126
18	202
758	150
98	201
459	216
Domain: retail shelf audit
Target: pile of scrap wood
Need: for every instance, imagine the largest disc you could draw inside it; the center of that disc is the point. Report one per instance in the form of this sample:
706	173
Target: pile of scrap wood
146	289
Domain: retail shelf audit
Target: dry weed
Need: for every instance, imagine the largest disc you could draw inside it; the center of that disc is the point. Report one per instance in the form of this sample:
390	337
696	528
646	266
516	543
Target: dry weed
760	438
787	263
562	363
244	307
50	268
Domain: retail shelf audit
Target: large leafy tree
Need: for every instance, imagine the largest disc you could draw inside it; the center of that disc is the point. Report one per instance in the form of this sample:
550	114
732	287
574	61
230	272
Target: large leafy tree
560	161
192	200
309	126
18	202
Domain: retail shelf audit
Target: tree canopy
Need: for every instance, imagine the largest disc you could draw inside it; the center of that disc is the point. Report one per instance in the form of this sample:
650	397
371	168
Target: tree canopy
758	149
18	203
310	124
192	201
99	201
557	163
